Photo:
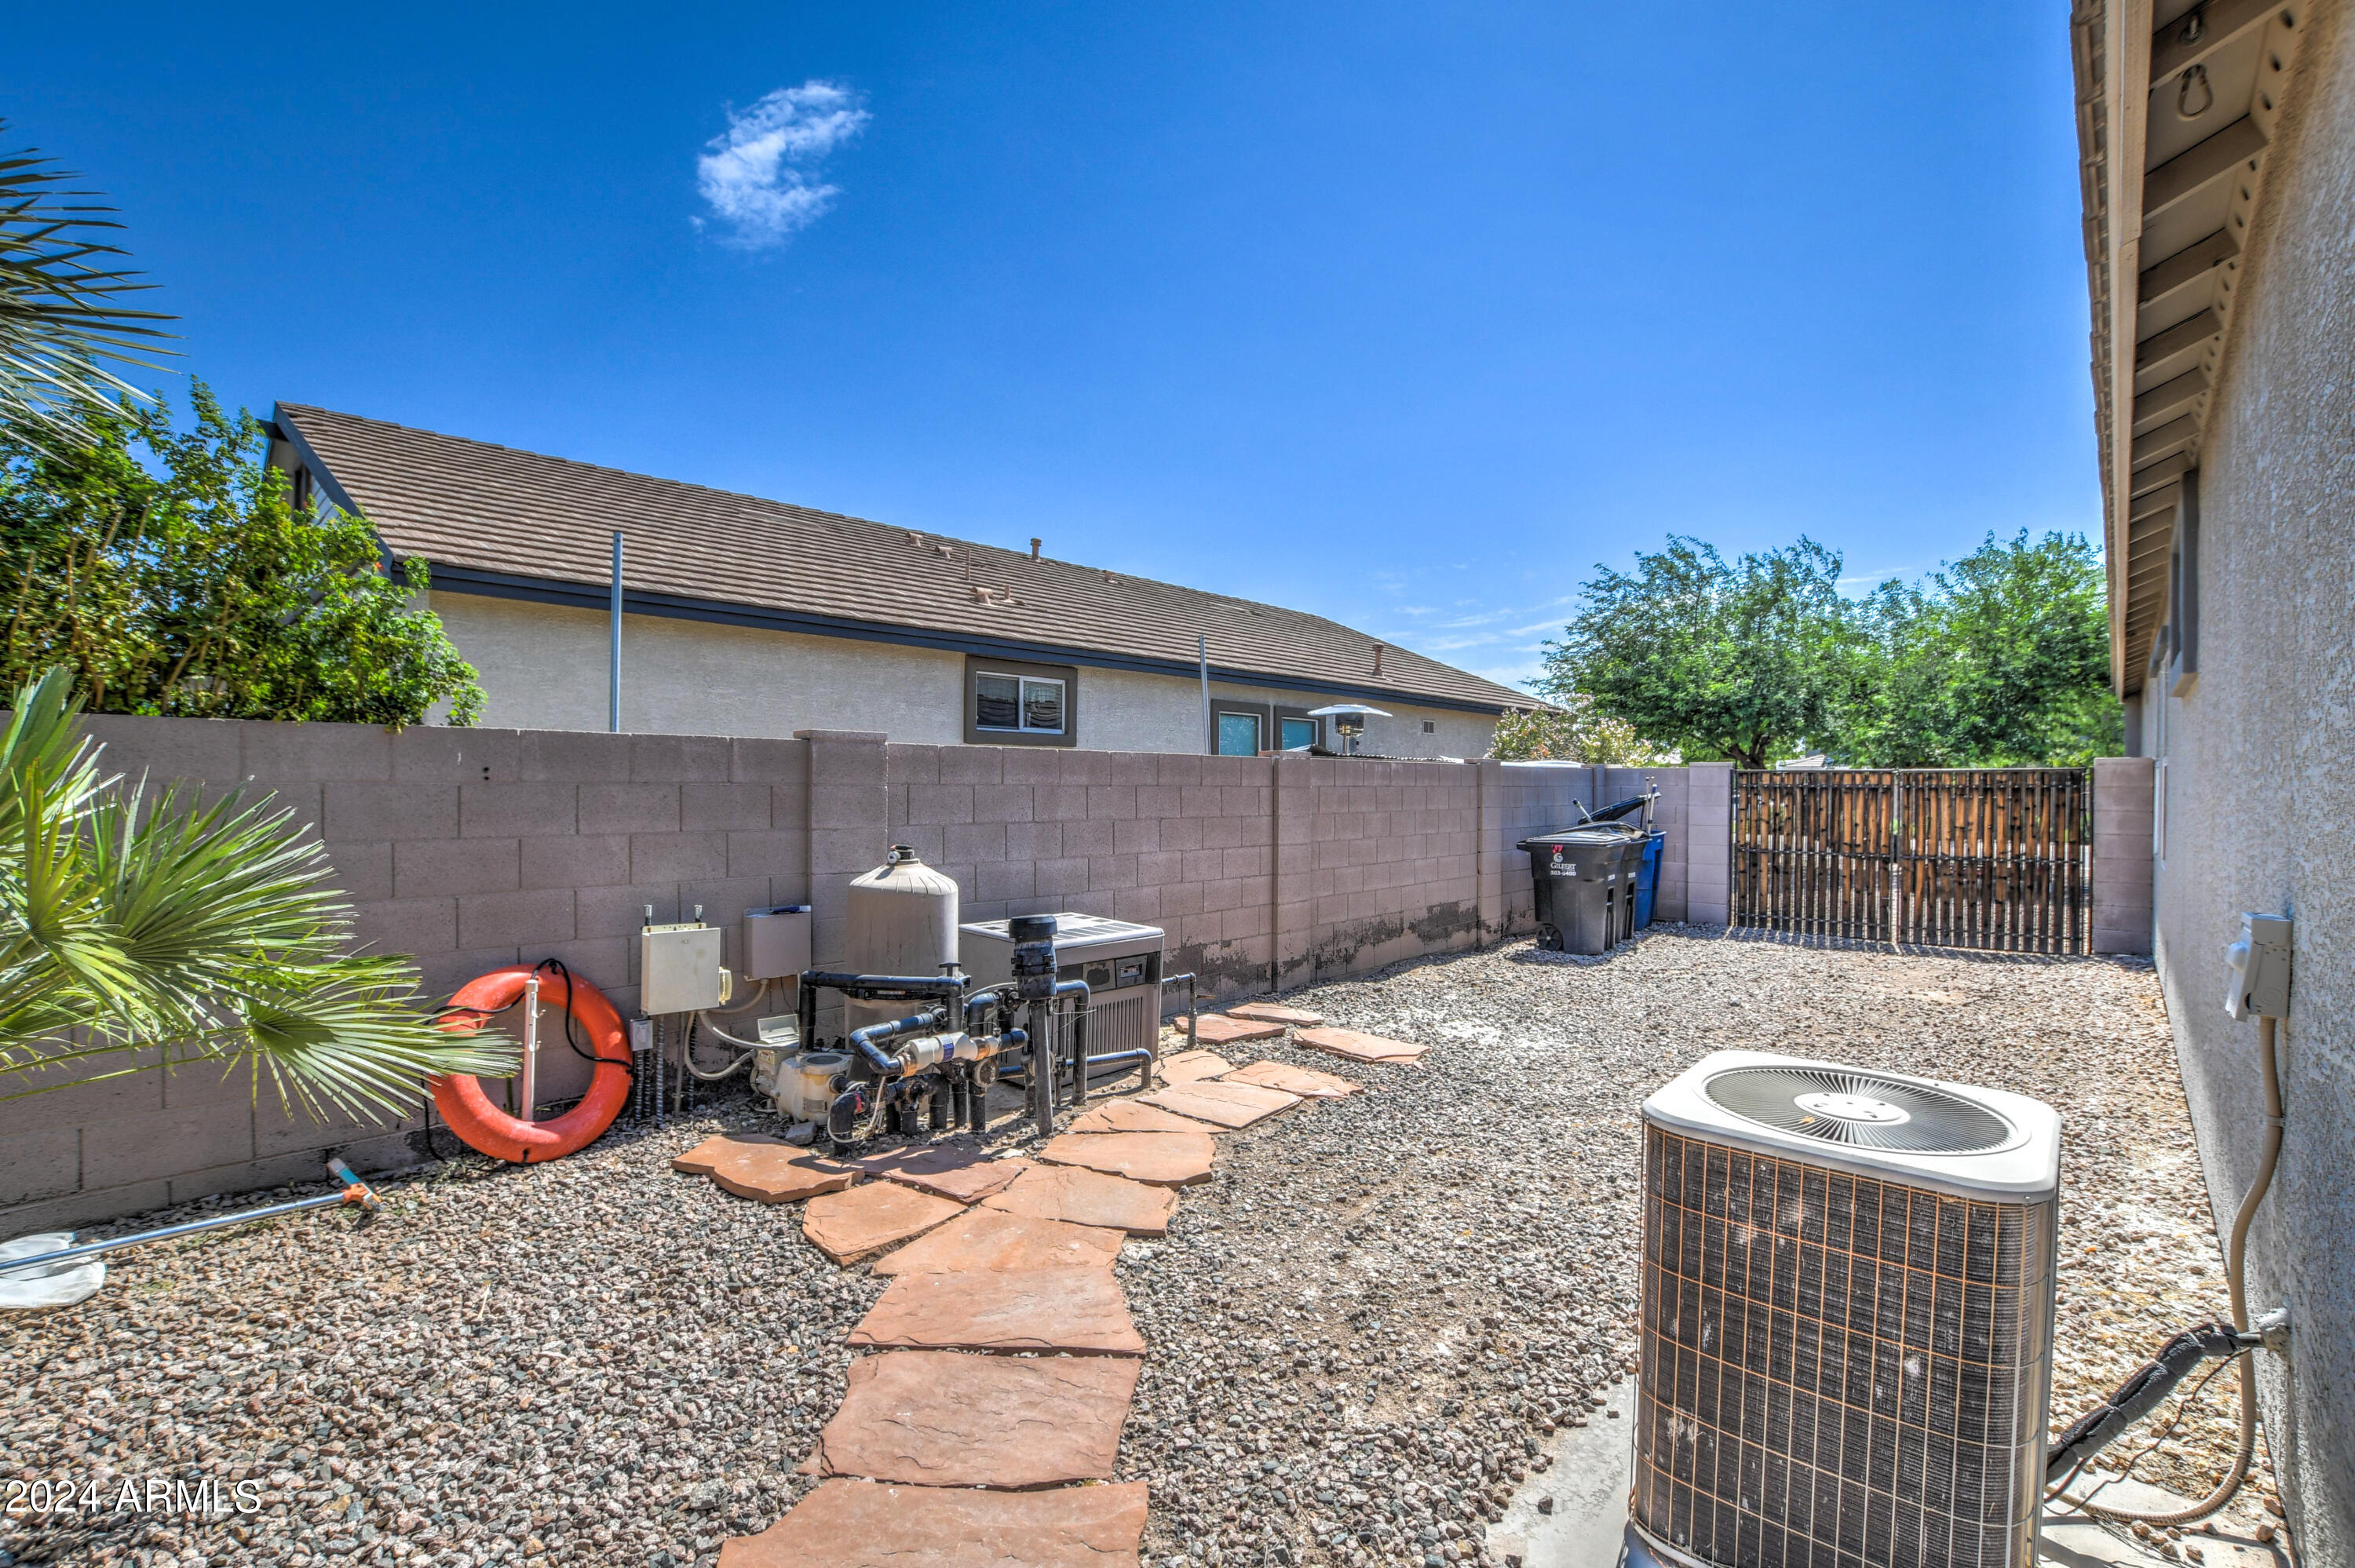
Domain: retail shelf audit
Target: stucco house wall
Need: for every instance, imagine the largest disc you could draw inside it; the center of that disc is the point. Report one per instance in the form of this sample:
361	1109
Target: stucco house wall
545	667
2254	792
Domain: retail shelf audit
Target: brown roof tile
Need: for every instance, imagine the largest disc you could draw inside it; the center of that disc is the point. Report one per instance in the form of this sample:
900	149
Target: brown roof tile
482	508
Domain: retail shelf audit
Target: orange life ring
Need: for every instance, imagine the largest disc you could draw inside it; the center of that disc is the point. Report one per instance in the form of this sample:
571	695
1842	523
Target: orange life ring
482	1126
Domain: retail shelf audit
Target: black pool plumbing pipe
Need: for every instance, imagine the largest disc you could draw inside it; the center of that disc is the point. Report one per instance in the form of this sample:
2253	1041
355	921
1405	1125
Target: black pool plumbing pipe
1193	1008
868	1042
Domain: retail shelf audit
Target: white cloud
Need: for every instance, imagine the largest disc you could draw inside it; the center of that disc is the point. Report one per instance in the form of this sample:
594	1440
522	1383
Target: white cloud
761	178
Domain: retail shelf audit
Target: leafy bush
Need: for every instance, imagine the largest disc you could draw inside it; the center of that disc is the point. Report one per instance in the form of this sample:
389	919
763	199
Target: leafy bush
170	573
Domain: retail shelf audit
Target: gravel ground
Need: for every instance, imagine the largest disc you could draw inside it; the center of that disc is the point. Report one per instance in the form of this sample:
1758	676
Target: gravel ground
1360	1329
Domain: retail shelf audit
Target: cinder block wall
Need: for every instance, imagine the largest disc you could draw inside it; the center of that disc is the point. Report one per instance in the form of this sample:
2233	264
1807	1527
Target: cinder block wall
1710	812
471	849
2122	854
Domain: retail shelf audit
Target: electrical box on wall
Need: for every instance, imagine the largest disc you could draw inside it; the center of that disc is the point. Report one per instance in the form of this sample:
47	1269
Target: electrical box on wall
776	941
2258	965
681	970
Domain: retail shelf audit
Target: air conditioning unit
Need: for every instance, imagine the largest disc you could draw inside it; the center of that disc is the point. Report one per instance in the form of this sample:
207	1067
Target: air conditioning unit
1848	1319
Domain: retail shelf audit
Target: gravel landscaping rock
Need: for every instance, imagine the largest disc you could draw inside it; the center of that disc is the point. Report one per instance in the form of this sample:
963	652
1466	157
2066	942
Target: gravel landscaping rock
1358	1330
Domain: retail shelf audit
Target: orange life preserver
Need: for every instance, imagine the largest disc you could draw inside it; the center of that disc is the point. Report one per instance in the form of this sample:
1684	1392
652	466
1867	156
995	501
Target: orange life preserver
482	1126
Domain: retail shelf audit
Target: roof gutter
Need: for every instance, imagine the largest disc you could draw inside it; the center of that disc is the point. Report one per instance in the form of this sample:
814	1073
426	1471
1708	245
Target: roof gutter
450	578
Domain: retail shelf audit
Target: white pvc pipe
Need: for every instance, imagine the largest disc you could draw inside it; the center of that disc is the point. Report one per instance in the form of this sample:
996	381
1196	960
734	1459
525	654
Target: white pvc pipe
530	1093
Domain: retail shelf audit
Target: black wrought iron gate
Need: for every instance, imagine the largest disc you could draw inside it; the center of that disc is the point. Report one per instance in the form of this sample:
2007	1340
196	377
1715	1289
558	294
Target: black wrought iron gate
1956	857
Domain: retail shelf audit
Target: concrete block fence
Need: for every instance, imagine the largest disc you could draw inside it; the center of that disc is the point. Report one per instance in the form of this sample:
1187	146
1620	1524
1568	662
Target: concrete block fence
2122	854
470	849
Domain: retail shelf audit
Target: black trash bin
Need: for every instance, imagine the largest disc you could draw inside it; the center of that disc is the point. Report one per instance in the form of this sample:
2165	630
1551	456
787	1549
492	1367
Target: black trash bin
1584	879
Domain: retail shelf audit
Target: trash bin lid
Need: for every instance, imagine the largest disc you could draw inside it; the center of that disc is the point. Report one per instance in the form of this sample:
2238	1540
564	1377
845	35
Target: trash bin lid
1589	835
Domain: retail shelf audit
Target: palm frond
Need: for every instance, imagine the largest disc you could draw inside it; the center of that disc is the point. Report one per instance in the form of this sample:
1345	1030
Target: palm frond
63	315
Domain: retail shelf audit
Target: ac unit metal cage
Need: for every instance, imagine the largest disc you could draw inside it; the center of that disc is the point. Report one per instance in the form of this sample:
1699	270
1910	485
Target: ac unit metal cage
1846	1345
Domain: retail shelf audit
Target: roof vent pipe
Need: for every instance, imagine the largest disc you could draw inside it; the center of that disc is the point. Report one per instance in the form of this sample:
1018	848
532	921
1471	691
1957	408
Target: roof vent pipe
1377	659
1034	548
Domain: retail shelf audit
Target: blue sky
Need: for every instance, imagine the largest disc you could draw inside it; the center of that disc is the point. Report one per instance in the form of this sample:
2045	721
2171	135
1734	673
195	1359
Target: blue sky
1406	314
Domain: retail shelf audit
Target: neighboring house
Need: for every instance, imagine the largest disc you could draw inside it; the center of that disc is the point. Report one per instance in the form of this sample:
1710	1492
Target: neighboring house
2219	163
753	618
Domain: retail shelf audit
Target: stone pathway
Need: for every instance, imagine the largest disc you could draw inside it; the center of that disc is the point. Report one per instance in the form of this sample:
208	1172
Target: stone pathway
939	1455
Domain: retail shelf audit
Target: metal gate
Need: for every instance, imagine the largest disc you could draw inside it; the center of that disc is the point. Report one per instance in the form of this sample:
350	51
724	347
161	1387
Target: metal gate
1999	858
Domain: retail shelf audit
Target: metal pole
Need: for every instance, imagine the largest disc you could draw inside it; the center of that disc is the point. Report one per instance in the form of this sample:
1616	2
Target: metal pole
1210	736
354	1191
614	658
530	1096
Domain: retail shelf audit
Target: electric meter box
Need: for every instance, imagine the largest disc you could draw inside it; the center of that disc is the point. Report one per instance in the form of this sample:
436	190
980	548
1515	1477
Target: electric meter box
776	942
1120	961
2258	969
681	969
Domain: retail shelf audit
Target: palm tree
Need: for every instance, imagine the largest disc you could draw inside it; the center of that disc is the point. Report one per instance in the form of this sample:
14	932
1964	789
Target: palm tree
165	929
61	303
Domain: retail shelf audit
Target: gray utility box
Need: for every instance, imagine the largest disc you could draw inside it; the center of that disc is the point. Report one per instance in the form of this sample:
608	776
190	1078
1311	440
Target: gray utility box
776	942
1120	962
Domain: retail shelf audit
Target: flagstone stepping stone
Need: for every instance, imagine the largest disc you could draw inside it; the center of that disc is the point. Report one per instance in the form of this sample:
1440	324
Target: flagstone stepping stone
1163	1159
1217	1029
1188	1065
957	1170
1081	1197
1223	1102
939	1418
847	1226
1276	1013
1076	1309
766	1169
1128	1116
1306	1081
862	1524
990	1238
1358	1047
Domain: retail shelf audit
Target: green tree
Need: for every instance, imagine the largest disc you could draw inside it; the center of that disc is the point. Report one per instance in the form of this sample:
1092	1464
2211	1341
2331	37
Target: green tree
174	931
1751	661
168	569
62	310
2002	659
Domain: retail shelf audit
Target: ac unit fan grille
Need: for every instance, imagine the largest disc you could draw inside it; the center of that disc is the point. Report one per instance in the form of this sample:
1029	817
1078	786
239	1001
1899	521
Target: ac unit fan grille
1837	1371
1864	1111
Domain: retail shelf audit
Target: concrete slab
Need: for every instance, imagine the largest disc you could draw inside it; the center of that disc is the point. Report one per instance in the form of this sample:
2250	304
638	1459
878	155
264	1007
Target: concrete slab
2069	1539
1188	1066
1221	1102
765	1169
1307	1082
939	1418
1573	1513
1128	1116
959	1169
1276	1013
864	1524
1358	1047
991	1238
862	1222
1081	1197
1163	1159
1217	1029
1081	1310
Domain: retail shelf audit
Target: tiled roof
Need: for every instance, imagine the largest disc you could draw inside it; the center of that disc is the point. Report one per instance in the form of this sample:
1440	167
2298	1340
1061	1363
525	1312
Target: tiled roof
491	509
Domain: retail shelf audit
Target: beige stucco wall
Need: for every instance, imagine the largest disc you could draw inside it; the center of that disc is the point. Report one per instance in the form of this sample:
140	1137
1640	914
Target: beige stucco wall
544	667
2257	795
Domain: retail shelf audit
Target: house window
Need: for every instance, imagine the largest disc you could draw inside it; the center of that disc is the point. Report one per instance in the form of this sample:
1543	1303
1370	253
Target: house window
1239	734
1299	734
1026	704
1430	727
1014	703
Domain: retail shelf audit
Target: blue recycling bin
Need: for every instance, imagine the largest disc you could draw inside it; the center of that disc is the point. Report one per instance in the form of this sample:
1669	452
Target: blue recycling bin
1648	876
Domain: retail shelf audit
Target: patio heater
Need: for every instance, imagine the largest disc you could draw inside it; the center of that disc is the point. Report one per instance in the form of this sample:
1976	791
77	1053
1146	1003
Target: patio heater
1348	722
